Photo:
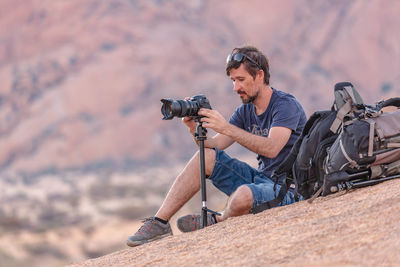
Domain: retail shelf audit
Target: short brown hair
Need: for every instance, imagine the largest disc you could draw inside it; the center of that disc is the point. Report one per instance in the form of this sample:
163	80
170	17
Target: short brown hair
252	69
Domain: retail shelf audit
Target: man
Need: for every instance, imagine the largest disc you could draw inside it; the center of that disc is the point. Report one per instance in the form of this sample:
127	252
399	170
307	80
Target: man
268	123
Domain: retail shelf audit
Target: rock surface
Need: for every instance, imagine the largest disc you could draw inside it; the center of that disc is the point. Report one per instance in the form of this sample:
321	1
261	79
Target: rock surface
360	227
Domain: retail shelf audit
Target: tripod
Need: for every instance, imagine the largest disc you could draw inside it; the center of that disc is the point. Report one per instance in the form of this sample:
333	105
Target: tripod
358	183
200	135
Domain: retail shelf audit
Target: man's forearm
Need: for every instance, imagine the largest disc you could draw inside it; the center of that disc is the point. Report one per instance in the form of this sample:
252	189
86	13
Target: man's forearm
258	144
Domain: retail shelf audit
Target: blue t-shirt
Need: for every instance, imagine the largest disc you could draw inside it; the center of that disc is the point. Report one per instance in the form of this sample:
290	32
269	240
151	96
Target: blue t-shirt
283	110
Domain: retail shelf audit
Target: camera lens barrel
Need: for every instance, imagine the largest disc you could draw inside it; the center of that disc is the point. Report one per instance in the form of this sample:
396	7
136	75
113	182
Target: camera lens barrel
188	108
178	108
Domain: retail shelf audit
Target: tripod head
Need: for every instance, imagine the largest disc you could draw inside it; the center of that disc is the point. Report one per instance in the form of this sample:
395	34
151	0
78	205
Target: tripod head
201	132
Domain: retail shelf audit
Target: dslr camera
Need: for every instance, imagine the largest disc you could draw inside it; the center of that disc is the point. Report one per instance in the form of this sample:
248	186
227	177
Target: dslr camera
184	108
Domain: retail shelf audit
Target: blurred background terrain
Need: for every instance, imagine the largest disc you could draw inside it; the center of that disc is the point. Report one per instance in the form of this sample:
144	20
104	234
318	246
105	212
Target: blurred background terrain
84	153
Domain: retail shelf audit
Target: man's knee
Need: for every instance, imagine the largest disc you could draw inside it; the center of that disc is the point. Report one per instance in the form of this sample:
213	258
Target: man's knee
242	198
209	156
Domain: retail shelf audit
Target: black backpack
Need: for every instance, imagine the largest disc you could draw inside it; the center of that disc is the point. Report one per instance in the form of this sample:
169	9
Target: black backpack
303	168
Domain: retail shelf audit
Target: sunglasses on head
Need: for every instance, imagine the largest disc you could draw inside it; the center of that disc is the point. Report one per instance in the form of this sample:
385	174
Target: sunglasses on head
239	57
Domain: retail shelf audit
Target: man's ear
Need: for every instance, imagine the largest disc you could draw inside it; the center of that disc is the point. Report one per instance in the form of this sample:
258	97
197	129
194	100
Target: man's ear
260	74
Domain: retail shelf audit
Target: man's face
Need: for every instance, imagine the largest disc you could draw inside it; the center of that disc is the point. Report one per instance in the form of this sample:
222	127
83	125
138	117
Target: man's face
244	84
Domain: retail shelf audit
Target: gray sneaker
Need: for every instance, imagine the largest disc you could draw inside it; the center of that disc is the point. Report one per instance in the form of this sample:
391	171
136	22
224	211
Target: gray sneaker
190	223
150	230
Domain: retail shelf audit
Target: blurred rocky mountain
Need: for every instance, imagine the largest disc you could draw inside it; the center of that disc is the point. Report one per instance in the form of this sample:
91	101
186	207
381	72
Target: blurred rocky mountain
81	136
82	81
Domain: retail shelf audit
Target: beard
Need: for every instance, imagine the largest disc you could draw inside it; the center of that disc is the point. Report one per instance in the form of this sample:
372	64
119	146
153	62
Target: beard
249	99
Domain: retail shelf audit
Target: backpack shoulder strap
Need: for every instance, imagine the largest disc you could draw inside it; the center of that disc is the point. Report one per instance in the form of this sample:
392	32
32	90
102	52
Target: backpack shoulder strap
343	111
345	92
274	202
346	97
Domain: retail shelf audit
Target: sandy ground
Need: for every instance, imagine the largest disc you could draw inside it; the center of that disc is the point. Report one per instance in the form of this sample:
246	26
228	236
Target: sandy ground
361	227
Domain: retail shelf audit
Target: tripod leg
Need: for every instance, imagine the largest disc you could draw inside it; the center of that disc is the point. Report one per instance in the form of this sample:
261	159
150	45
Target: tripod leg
203	184
201	136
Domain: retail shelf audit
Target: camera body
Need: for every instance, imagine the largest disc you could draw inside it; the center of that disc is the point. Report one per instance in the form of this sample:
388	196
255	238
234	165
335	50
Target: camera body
184	108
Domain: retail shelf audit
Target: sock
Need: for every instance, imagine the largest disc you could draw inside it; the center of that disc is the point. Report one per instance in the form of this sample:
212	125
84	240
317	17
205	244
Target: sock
161	220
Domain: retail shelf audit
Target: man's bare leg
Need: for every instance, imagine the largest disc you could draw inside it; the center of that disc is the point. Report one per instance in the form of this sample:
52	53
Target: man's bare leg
186	185
239	203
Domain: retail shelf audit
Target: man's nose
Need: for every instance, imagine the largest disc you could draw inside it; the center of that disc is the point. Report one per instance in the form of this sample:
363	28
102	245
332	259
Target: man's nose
236	87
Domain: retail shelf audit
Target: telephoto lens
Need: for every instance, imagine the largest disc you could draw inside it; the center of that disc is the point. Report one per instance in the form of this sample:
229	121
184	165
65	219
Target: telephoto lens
183	108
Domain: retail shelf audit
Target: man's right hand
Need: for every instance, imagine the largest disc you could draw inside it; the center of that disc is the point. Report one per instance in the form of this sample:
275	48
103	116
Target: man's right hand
190	123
